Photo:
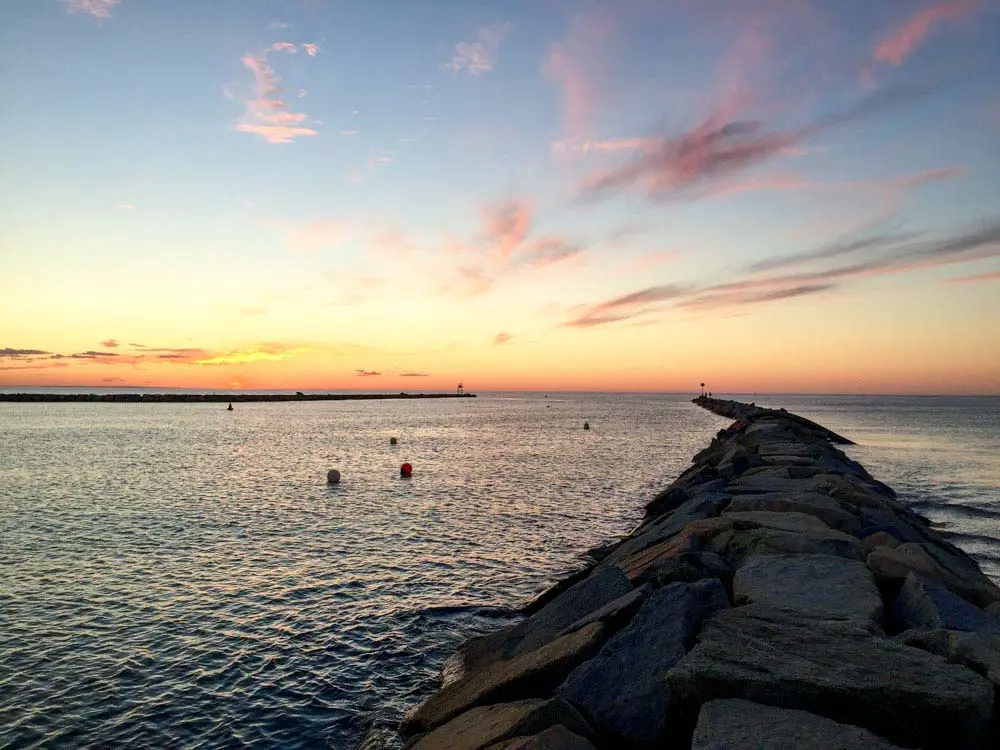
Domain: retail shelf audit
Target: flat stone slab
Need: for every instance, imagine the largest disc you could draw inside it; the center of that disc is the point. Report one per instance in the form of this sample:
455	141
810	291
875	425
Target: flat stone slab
818	586
488	725
908	696
668	526
823	507
734	723
898	562
553	738
786	521
927	603
598	589
736	545
622	607
622	691
530	675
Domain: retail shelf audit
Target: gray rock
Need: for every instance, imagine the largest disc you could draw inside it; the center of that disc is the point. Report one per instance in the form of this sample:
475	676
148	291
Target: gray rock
979	652
697	508
736	545
553	738
785	521
834	670
927	603
874	521
641	566
823	507
876	540
897	563
612	613
818	586
735	723
622	690
531	675
487	725
601	587
688	567
994	609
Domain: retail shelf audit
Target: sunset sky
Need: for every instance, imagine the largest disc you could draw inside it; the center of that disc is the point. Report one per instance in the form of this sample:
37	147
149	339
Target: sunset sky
772	195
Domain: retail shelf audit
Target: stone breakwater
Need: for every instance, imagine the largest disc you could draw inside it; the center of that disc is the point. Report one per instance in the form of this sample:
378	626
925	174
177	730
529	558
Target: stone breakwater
216	398
775	595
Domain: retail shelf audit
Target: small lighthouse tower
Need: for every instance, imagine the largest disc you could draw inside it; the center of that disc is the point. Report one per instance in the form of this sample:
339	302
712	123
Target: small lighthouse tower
459	391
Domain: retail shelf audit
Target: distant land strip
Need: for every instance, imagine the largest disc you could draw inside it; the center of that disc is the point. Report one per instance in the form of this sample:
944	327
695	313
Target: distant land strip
185	398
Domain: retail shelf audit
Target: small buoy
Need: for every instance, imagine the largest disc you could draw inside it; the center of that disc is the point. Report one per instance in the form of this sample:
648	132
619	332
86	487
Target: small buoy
405	470
230	407
393	441
333	477
586	425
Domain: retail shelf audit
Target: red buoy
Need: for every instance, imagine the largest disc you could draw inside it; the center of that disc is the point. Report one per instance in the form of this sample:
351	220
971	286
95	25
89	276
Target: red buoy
405	470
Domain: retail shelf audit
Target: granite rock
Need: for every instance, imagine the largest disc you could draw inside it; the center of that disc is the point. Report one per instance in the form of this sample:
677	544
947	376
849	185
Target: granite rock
728	724
818	586
835	670
553	738
927	603
622	690
487	725
823	507
530	675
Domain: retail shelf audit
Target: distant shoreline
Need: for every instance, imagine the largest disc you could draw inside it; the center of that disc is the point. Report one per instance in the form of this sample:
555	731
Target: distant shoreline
180	398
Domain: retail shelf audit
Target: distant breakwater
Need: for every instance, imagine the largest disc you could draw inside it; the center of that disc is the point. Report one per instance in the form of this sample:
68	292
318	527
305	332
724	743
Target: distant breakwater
217	398
774	595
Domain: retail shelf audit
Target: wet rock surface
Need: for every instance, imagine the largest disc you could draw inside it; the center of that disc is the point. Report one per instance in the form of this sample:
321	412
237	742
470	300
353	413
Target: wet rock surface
776	595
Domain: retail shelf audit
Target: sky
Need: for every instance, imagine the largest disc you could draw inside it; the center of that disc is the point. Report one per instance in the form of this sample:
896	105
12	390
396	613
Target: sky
632	195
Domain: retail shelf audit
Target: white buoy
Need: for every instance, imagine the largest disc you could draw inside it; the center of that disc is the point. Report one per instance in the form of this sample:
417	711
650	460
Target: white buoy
333	477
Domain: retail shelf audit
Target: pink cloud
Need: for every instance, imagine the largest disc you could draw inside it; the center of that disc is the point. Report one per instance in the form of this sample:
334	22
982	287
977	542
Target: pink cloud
267	114
574	64
649	261
110	343
506	224
501	338
602	146
988	276
479	56
900	44
95	8
311	49
311	236
284	47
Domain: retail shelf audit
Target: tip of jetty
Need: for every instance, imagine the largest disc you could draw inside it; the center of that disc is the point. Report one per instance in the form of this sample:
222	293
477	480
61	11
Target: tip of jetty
774	596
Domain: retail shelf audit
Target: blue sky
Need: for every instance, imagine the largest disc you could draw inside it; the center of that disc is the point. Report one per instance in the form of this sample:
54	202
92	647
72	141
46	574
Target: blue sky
521	181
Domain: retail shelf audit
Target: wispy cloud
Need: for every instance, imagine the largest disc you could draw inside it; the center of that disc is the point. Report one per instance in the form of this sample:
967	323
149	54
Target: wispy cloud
288	47
896	47
414	375
506	224
95	8
988	276
575	63
366	373
310	49
569	145
126	206
110	343
311	236
502	338
479	56
267	114
721	146
888	254
8	353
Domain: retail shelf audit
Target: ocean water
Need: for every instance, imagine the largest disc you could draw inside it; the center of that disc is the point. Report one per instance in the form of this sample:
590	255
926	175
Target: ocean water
176	575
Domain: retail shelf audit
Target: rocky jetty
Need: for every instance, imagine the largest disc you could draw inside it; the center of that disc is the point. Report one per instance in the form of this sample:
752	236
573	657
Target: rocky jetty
216	398
775	595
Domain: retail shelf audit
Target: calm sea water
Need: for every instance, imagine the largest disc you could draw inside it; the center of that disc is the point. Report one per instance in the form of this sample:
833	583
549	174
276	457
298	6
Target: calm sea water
175	575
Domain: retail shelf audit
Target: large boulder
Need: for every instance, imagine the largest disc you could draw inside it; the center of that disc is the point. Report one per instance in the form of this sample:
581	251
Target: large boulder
622	691
735	545
874	521
927	603
601	587
613	612
819	586
663	529
823	507
487	725
688	567
531	675
734	723
962	578
835	670
553	738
